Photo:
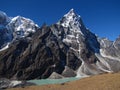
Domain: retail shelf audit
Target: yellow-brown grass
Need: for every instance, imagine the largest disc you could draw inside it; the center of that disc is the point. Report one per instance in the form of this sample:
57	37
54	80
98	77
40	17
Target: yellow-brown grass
98	82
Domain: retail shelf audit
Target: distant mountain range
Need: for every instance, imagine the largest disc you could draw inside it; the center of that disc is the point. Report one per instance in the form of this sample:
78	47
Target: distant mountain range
64	49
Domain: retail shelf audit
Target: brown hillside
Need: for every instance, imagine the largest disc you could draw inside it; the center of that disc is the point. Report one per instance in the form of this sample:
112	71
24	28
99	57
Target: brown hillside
99	82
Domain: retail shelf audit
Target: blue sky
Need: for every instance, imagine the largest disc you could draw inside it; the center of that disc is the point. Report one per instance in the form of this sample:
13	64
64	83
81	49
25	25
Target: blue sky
102	17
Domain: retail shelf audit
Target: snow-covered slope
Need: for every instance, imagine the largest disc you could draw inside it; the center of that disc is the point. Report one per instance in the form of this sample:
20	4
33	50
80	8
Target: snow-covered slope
72	21
14	28
79	38
22	26
76	32
73	25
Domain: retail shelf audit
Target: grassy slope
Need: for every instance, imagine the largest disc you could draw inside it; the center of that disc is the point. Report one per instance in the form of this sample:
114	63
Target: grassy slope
98	82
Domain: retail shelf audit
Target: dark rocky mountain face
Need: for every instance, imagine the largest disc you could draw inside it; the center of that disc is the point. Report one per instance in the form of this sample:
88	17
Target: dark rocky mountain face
65	49
37	57
42	54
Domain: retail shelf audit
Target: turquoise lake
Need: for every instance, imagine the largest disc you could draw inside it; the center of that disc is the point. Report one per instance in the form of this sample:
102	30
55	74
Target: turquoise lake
52	81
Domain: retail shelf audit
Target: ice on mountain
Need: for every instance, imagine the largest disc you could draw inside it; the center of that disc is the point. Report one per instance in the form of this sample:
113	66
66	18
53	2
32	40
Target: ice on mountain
4	48
72	21
22	27
14	27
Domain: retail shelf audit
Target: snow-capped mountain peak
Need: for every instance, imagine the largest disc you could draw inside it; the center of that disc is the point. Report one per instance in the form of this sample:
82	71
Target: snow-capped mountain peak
74	27
14	28
70	18
70	13
20	20
74	22
22	26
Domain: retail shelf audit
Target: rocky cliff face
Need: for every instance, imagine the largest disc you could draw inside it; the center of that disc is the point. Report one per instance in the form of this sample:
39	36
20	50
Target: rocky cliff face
37	57
66	49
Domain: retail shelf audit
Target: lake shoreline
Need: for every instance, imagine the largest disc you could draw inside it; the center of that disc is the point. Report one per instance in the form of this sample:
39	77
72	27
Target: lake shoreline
110	81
